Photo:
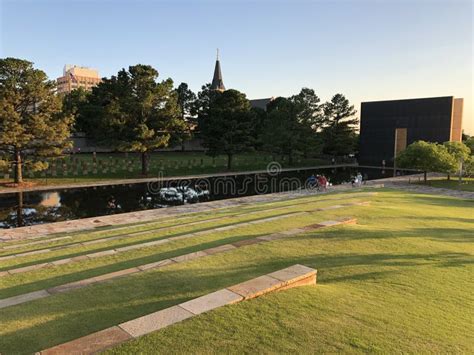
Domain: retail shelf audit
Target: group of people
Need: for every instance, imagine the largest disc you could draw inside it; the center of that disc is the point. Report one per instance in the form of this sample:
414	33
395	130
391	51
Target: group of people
318	182
356	181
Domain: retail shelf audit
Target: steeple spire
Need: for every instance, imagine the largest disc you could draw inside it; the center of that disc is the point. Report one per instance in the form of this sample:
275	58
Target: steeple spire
217	82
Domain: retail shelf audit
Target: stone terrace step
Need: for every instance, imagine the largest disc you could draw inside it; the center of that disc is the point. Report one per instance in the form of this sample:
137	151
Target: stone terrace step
31	296
118	250
113	251
293	276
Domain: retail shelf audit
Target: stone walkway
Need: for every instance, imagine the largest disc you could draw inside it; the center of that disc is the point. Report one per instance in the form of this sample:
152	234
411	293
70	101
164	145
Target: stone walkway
404	183
293	276
41	230
31	296
422	189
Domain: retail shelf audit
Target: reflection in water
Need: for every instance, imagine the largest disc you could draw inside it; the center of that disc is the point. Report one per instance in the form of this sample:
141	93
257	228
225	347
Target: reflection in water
29	208
50	199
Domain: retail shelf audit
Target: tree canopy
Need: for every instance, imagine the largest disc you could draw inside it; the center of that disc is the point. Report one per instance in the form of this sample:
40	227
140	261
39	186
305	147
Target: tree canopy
186	99
73	104
32	124
285	131
227	124
339	133
134	112
426	156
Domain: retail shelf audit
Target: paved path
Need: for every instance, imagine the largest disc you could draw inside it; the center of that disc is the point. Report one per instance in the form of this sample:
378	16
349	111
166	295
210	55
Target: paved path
403	183
430	190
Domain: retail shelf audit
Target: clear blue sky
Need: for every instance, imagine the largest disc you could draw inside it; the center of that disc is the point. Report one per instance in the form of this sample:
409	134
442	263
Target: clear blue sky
367	50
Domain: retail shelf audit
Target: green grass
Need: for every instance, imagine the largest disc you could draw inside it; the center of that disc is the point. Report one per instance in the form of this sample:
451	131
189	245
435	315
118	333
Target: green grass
111	166
398	281
467	184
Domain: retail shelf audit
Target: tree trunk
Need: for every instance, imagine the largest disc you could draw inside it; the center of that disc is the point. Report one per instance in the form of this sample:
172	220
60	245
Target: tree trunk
424	176
229	161
449	176
19	210
144	163
18	167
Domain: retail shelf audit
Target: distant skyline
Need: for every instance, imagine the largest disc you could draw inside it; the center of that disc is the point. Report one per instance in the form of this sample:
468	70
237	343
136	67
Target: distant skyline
367	50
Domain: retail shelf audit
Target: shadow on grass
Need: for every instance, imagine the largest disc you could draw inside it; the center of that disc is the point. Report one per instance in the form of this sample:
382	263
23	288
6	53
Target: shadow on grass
124	243
449	235
116	266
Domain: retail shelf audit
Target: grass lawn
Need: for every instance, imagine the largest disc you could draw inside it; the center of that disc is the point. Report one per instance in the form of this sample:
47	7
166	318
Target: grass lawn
398	281
80	167
466	185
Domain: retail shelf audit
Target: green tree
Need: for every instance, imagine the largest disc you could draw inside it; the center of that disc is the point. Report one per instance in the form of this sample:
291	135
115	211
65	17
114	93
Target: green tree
259	127
186	99
73	104
284	132
469	142
202	104
429	157
310	110
32	124
227	127
134	113
460	153
339	133
310	114
469	166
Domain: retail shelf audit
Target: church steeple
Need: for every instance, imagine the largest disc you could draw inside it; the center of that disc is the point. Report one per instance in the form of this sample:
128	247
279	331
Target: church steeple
217	82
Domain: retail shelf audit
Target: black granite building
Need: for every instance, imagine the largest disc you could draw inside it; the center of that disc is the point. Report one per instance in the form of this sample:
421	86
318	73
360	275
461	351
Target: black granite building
387	127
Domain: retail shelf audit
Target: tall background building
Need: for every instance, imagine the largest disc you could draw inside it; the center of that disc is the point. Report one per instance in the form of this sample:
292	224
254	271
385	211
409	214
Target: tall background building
75	77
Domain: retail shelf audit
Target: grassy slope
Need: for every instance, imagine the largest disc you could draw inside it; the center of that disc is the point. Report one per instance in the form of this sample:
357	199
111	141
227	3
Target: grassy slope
49	277
399	281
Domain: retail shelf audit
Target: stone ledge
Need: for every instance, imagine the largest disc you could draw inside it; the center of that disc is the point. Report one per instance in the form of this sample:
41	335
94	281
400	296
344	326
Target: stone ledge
210	301
155	321
91	343
26	297
256	287
293	274
219	249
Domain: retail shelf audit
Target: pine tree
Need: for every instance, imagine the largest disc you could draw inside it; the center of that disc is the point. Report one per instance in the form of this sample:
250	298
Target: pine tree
132	112
339	134
228	125
32	124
